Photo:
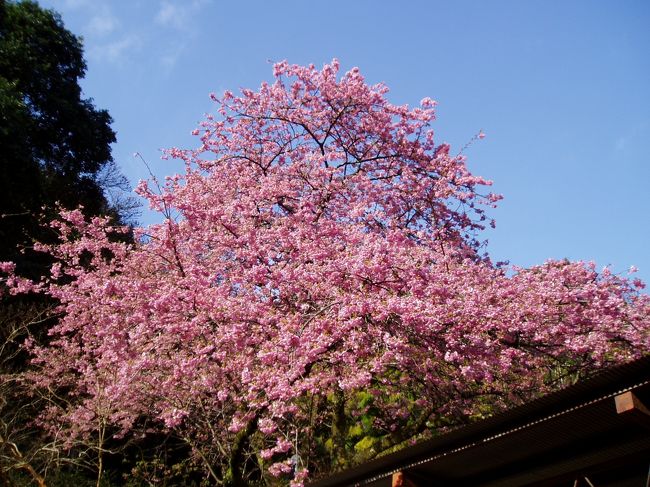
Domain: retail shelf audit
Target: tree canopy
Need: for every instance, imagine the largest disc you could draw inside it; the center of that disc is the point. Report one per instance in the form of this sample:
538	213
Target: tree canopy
314	295
55	145
55	153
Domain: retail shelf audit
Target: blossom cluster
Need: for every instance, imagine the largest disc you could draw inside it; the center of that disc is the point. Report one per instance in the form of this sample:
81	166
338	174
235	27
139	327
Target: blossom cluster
318	242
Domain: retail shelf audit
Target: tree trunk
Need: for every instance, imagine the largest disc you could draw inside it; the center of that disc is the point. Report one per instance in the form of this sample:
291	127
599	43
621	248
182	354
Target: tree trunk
234	474
339	431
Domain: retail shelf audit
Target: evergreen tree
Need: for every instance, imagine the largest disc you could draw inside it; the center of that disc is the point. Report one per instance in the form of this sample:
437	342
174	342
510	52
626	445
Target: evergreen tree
55	151
55	145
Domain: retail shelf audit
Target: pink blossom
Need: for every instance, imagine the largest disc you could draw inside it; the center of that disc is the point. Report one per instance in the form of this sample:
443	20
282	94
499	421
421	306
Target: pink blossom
323	245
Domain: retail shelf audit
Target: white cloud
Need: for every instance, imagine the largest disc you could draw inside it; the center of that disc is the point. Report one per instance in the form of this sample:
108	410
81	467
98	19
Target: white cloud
633	136
169	59
175	16
75	3
178	15
116	51
102	23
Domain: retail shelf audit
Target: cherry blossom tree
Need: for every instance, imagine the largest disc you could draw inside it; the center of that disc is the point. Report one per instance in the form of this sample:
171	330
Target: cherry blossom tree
315	293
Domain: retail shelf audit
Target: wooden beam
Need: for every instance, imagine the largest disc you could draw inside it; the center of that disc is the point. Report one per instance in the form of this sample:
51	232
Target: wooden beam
630	406
400	479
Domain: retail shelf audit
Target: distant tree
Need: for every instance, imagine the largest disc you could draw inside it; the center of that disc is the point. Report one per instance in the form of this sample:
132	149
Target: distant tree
55	152
55	146
315	294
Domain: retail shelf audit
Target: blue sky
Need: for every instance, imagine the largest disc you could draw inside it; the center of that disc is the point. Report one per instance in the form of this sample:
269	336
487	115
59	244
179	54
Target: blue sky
561	88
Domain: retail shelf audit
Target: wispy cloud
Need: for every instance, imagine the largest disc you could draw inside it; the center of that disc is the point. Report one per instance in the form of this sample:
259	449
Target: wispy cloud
116	51
171	15
105	37
163	29
75	3
178	15
632	137
168	59
102	23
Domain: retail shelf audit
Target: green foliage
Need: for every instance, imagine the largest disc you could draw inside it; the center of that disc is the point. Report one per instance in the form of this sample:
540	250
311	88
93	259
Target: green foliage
55	146
55	150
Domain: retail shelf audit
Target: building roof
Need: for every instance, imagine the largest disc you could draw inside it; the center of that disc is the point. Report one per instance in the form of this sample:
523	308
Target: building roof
594	432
